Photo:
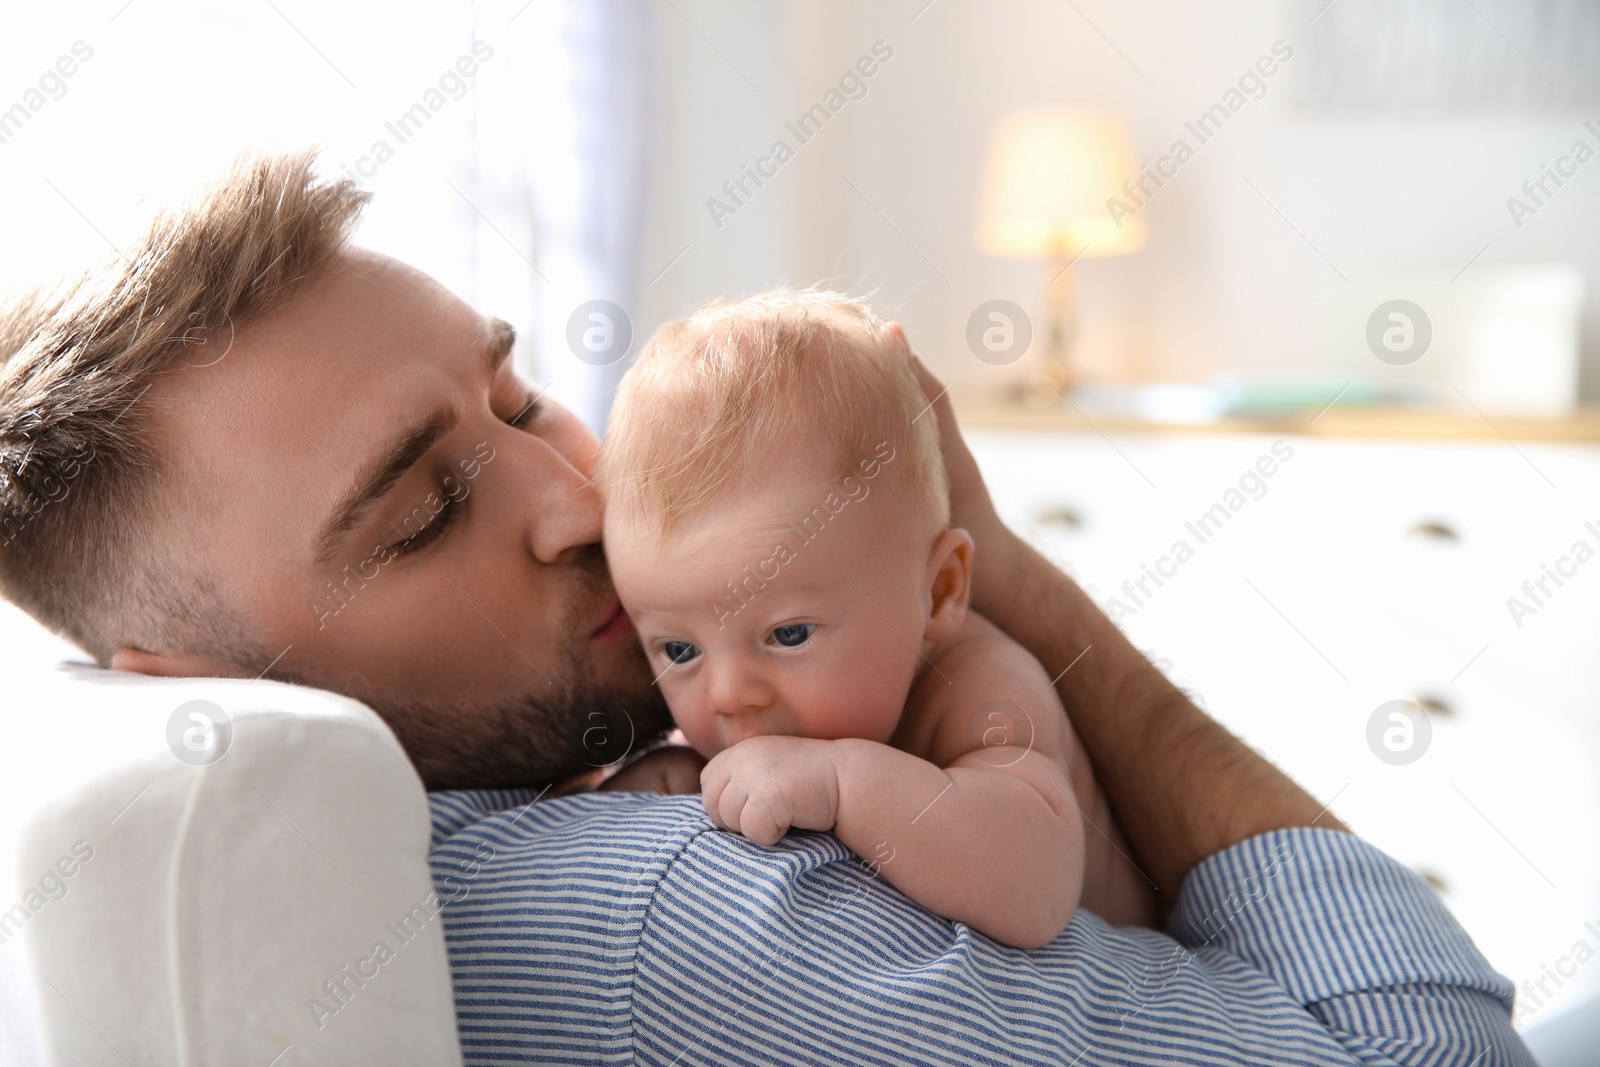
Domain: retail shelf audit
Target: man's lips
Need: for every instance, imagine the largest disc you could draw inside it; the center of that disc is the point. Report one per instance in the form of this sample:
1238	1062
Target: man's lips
613	626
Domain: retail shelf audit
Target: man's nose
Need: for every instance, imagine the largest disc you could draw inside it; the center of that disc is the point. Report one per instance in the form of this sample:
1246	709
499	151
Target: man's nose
565	505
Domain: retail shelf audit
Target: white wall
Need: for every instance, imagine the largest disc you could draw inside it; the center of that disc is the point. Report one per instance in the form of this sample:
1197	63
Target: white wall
1225	283
726	77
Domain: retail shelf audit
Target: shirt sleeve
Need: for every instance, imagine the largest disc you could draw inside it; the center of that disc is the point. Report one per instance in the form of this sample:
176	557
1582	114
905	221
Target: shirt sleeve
625	928
1360	941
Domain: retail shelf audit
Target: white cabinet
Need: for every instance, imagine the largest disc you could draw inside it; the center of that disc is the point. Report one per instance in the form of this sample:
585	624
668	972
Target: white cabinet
1360	572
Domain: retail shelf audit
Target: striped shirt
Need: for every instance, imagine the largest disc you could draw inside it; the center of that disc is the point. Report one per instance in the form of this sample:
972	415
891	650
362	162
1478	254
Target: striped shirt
617	928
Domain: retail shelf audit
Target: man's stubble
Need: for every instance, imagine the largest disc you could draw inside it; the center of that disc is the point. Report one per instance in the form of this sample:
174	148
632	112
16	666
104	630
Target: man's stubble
578	719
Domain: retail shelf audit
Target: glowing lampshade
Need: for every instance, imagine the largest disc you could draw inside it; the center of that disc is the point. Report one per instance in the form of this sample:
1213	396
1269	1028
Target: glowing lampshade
1047	179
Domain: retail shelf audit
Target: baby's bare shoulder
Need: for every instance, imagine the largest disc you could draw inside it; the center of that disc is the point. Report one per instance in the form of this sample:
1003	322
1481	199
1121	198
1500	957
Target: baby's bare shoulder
982	686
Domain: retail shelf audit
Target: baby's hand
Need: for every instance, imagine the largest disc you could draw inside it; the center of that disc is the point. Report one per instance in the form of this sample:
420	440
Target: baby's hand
764	785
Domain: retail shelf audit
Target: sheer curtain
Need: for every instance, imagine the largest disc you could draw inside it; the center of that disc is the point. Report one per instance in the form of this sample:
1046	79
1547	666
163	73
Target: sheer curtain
523	191
581	117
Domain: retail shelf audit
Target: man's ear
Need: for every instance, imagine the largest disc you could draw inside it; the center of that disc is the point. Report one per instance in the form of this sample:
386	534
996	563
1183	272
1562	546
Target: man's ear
174	665
950	584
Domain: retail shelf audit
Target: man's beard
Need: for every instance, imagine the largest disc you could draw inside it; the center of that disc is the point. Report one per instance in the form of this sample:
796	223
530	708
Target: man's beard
534	739
576	722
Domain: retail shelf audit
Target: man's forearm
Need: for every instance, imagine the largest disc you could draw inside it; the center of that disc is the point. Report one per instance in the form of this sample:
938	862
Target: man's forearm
1181	784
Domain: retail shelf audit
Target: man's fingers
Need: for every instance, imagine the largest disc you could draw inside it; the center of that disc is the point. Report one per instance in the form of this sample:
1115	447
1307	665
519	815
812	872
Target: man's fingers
683	780
938	394
679	768
932	387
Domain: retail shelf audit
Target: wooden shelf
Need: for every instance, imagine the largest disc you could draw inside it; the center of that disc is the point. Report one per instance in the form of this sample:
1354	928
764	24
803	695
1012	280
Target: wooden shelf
1376	422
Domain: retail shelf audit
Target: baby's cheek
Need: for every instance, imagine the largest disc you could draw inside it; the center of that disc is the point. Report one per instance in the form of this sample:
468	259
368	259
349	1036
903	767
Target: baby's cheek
688	711
867	707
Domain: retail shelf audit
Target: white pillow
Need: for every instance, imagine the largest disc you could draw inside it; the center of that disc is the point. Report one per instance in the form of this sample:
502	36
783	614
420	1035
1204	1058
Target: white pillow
158	911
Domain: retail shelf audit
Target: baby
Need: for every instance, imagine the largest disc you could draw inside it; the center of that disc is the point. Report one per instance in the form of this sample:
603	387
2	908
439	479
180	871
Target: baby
777	525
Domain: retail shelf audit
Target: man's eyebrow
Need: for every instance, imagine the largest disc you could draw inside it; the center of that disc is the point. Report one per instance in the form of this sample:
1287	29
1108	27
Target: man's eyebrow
379	476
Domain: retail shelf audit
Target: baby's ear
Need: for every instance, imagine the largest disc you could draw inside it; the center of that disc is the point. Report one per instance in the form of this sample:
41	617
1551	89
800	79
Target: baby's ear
949	583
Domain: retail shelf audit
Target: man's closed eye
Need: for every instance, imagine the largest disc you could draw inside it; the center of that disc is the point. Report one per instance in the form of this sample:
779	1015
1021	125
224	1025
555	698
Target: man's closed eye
431	532
447	514
529	412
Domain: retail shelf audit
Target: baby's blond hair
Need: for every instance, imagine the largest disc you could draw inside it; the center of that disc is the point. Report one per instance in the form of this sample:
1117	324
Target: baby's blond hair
711	391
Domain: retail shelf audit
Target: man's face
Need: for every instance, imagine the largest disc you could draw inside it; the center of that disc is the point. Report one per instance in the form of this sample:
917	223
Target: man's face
409	524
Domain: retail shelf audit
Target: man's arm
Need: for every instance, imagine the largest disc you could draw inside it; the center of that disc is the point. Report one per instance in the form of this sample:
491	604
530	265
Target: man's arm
1182	786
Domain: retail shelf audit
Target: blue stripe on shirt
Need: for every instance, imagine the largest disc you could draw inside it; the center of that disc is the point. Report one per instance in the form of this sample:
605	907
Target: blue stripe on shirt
625	928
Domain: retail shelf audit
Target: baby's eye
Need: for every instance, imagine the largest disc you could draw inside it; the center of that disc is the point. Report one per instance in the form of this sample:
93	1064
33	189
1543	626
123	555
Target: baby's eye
679	651
796	633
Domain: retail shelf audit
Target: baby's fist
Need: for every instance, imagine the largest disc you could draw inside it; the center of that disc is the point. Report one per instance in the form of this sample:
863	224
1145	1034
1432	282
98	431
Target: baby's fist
764	785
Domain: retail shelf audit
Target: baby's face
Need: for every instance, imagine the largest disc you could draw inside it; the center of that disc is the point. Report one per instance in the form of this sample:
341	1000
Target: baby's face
796	608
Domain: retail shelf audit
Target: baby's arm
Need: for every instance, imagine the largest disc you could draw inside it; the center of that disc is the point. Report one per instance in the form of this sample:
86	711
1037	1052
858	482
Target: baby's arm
986	834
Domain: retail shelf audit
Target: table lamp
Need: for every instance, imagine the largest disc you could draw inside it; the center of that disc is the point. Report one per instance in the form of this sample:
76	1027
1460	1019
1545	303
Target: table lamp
1047	180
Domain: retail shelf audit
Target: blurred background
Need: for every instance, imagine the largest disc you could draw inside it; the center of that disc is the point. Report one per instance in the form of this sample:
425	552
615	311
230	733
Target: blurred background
1155	249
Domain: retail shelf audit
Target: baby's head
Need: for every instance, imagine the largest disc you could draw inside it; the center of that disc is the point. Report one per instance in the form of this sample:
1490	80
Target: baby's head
776	519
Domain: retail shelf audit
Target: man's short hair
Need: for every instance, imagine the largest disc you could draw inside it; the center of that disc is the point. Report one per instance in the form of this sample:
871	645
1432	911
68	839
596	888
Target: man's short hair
80	482
728	387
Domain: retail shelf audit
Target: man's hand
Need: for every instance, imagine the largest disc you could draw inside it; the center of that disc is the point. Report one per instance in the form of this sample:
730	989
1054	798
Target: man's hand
995	558
1182	786
672	769
764	785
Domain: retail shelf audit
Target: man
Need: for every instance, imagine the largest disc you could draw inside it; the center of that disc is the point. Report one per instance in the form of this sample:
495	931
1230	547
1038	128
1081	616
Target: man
250	448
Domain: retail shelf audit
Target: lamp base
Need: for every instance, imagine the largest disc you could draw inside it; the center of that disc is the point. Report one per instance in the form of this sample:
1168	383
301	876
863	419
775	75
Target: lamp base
1048	384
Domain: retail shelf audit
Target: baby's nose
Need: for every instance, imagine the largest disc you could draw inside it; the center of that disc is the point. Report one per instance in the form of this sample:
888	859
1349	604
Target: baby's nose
737	691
